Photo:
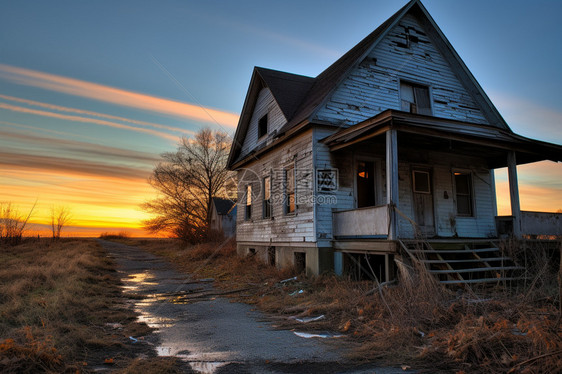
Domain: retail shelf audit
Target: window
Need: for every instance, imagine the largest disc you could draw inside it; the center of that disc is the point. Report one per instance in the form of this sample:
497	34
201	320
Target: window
422	183
248	202
262	126
415	98
267	197
290	190
463	190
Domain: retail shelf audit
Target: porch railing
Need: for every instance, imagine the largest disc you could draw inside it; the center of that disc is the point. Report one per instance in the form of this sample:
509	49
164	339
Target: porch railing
532	224
369	222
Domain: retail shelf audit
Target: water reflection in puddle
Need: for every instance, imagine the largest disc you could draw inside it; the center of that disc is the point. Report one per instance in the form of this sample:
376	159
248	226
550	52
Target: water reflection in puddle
207	367
134	282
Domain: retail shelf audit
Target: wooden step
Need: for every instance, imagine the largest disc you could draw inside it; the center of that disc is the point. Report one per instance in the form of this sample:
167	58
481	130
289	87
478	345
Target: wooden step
444	251
475	270
483	259
483	280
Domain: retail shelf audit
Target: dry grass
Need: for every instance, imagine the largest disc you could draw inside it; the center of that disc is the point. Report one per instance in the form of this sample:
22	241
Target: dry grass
56	301
416	322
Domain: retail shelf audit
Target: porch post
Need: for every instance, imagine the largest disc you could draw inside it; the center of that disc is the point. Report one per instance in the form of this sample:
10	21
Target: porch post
514	193
392	180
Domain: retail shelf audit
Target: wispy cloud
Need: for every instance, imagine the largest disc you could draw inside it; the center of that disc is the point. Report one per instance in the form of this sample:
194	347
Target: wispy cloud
95	114
94	121
10	159
79	148
116	96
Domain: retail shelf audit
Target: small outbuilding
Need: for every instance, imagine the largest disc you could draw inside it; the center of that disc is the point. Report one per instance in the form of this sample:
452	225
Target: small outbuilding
223	216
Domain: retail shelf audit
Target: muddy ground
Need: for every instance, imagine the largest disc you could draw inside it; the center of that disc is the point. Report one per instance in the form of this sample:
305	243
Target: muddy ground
212	334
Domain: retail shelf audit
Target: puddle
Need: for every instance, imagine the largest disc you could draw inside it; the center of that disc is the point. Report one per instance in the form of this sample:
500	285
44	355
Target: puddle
135	282
155	322
323	335
206	367
209	333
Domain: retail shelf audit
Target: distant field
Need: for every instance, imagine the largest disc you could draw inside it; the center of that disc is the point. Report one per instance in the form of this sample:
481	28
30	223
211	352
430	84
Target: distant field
60	305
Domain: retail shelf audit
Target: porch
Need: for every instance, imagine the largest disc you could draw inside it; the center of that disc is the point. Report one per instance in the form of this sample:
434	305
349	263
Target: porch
420	176
533	225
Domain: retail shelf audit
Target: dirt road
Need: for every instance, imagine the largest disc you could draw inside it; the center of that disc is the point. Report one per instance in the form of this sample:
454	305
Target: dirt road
213	334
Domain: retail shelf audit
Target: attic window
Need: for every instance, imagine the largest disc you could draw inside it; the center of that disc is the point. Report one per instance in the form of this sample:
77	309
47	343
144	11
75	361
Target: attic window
262	126
415	98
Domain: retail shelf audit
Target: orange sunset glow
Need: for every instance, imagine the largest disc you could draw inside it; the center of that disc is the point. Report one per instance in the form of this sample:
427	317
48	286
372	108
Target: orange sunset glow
86	111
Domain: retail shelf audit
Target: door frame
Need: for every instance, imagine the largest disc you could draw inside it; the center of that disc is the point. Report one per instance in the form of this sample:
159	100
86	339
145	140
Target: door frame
378	185
427	231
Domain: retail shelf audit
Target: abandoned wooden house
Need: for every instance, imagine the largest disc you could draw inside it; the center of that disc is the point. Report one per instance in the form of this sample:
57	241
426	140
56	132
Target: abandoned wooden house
394	142
223	216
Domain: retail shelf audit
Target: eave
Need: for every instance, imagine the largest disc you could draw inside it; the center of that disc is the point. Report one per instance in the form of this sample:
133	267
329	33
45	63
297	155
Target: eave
481	137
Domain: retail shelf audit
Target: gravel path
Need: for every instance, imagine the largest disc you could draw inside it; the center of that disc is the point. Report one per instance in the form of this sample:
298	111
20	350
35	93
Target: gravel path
213	334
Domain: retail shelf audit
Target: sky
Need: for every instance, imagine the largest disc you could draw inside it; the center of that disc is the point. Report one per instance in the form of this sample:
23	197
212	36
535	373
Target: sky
92	92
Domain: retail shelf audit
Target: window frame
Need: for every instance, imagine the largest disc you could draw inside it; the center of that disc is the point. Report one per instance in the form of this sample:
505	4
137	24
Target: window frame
248	206
428	175
288	193
415	85
470	194
267	209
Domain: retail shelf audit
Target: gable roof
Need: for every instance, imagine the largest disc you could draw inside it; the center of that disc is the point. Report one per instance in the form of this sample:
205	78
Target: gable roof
327	82
223	206
289	90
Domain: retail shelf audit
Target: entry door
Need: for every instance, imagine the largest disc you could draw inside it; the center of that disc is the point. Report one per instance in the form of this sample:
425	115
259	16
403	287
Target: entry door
365	181
423	201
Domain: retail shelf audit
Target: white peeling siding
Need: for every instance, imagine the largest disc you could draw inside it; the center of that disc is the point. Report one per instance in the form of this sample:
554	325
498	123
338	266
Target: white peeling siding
265	104
374	85
282	228
344	198
447	224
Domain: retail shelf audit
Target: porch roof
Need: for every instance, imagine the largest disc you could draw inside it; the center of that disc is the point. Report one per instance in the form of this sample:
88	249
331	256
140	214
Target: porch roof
438	133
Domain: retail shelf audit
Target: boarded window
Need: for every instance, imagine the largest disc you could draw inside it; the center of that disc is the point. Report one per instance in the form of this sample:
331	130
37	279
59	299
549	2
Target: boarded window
267	197
248	202
290	190
463	190
415	98
262	126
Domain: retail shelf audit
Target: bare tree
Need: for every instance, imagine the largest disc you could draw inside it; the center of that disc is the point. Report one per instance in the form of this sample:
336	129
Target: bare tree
60	217
187	180
12	223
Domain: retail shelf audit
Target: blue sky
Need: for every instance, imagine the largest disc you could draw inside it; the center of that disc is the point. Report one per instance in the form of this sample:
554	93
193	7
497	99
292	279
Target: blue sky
67	58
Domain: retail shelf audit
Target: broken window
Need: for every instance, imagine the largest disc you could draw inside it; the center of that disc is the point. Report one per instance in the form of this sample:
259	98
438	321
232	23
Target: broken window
290	190
415	98
463	191
248	202
267	197
262	126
